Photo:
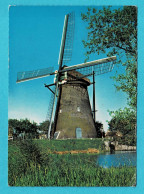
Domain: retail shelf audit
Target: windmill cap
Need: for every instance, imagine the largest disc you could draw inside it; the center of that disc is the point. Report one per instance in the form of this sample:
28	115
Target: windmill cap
74	74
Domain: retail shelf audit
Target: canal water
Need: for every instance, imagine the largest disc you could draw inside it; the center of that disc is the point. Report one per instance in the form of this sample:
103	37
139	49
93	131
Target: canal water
119	158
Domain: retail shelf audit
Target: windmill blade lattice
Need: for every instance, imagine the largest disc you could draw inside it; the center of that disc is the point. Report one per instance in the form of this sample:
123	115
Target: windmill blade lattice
100	66
30	75
69	38
52	109
49	112
97	69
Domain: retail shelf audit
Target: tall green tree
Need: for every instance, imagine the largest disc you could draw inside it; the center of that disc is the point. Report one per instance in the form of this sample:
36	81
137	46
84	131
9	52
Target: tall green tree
114	31
125	122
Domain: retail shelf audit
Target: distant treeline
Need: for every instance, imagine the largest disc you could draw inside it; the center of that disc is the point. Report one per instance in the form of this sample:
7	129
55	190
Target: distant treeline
23	128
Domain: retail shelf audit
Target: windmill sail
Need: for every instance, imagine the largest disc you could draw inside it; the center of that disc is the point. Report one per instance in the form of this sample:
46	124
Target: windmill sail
49	113
30	75
52	108
97	69
67	40
64	55
98	66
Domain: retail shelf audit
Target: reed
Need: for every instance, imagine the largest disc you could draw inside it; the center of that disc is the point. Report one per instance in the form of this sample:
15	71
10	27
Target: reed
46	169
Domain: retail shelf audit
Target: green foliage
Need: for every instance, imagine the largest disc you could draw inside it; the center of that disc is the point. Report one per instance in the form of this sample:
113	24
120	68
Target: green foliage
23	155
70	144
99	128
31	151
114	31
128	82
17	163
111	28
79	175
44	126
13	123
125	122
61	170
24	127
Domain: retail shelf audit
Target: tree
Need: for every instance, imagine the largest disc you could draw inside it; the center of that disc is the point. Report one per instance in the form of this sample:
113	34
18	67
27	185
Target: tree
13	123
124	121
25	127
99	128
45	125
114	31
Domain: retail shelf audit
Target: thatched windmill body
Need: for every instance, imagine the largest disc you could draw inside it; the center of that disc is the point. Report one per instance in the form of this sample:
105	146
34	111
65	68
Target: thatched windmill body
70	108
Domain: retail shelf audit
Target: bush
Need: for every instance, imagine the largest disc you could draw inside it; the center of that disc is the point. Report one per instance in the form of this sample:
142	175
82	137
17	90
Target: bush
22	155
31	151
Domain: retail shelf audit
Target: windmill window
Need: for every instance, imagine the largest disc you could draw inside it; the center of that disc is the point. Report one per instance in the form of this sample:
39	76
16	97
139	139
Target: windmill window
78	109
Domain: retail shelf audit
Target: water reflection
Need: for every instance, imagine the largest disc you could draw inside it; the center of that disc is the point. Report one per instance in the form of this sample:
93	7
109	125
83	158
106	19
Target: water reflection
119	158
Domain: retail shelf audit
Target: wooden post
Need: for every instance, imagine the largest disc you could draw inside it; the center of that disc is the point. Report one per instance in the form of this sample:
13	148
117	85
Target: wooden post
94	115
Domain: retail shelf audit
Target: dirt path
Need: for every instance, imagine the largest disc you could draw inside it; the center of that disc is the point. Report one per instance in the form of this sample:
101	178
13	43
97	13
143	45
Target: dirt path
88	151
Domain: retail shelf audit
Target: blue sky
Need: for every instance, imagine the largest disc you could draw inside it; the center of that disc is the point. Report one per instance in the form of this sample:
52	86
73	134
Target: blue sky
34	43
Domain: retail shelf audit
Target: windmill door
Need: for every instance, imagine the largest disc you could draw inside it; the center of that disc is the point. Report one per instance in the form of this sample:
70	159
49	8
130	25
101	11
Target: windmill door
78	133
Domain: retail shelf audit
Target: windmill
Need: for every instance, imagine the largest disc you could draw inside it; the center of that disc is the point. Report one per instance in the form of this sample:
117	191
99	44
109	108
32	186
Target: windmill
69	105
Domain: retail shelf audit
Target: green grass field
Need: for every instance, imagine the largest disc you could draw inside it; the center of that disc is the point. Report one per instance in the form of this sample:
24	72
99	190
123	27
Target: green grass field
32	164
72	144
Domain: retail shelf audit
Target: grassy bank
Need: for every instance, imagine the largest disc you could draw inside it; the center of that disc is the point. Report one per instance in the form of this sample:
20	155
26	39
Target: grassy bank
71	144
32	164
